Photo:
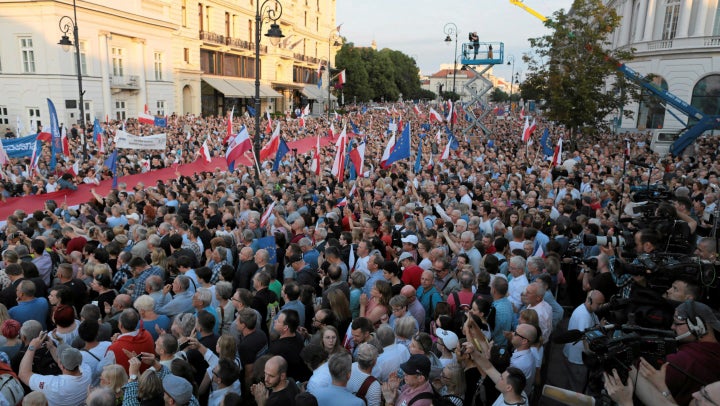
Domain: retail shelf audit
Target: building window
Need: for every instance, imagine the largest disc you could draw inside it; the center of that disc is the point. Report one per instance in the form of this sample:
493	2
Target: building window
158	66
35	123
27	54
251	38
716	24
227	24
120	112
672	10
235	26
186	55
160	107
117	61
207	19
201	17
4	118
305	19
184	13
651	113
705	95
83	58
88	111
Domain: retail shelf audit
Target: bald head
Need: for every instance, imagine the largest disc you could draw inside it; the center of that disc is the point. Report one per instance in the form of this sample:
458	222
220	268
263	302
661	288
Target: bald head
527	331
409	292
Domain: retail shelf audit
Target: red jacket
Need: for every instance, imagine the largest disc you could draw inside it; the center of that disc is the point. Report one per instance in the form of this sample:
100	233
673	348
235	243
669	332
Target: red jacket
141	342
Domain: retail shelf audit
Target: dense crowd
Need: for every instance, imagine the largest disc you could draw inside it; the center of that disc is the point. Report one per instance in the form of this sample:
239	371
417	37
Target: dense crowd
442	284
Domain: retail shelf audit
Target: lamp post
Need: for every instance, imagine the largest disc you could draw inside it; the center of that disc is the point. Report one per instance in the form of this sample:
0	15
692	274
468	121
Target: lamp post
66	24
511	59
263	13
332	41
451	29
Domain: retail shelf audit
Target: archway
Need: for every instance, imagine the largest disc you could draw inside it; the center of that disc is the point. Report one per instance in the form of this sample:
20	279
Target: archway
187	99
651	113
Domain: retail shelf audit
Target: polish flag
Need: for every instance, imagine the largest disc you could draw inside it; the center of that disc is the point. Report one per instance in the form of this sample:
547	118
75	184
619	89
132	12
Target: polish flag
434	115
4	158
229	131
331	131
270	149
388	150
74	169
438	136
341	78
238	146
522	112
34	160
417	111
144	118
64	142
266	215
452	114
357	156
268	127
205	152
100	143
305	112
315	166
338	169
446	153
343	203
146	110
557	155
528	129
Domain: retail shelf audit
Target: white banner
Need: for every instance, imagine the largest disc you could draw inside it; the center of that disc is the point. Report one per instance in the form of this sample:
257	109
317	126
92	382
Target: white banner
129	141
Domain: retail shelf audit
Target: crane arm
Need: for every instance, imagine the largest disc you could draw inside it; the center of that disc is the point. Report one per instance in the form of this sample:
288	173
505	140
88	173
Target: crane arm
522	5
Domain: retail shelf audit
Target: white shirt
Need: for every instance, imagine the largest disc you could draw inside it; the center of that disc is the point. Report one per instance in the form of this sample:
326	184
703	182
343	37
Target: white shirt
361	265
467	200
63	390
96	360
320	378
515	288
525	361
425	264
581	319
544	312
389	361
500	401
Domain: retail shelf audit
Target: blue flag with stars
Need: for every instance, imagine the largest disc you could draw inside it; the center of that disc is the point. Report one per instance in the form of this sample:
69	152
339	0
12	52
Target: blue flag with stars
418	159
547	149
402	147
251	111
281	152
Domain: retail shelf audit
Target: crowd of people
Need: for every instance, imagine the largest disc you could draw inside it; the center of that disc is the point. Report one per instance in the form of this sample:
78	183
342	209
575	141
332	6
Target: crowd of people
442	284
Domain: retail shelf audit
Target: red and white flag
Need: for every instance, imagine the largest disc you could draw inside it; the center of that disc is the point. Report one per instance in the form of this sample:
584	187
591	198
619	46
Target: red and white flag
74	169
101	143
64	141
416	110
557	155
315	165
146	110
438	136
338	169
270	149
144	118
305	112
205	152
446	153
357	156
34	159
528	129
268	126
388	150
238	146
522	112
266	215
452	114
434	115
229	131
4	158
341	78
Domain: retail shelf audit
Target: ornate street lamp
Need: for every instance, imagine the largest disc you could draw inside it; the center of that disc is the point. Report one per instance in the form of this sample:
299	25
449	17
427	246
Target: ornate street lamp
67	24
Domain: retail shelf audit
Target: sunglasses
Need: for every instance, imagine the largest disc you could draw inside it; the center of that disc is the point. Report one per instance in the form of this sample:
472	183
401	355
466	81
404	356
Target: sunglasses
523	337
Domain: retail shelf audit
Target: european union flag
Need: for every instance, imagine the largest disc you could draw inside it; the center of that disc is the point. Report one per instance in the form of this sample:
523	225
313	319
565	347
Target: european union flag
451	138
268	244
111	163
418	159
425	126
281	152
547	149
160	121
251	111
402	147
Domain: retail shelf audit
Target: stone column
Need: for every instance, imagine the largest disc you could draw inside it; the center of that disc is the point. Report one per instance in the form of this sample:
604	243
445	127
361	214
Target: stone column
142	94
103	38
626	23
640	21
684	19
704	6
649	14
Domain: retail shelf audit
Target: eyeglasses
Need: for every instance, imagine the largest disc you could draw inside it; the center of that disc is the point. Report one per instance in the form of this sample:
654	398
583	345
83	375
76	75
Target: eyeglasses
679	323
235	300
517	334
704	393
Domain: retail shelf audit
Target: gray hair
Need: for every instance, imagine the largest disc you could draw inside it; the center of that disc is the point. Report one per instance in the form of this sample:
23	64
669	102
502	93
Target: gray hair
224	289
517	262
385	335
405	327
101	397
536	263
205	296
154	240
144	303
340	366
30	329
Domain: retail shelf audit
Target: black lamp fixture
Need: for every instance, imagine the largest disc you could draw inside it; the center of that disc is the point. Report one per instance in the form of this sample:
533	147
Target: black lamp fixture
67	24
451	29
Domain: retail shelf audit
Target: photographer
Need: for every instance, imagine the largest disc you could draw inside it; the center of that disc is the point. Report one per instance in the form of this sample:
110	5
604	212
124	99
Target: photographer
646	243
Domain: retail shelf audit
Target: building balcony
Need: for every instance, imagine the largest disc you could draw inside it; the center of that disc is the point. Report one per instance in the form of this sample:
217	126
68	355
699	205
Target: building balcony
305	58
131	82
212	38
676	45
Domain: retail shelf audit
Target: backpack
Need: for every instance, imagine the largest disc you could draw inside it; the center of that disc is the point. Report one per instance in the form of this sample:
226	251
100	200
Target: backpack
437	399
459	316
10	386
364	388
397	236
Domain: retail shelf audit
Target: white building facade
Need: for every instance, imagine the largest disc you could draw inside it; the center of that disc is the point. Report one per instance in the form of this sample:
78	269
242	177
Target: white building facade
677	42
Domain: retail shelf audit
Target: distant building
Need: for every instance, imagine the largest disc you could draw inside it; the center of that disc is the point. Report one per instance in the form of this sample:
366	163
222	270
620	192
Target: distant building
444	77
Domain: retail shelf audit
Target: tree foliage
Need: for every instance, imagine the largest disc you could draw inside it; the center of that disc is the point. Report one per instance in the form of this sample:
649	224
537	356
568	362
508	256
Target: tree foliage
378	75
574	70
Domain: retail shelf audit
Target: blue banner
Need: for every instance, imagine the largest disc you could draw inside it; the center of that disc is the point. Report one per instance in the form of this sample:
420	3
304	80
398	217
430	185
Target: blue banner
160	121
268	244
56	144
20	147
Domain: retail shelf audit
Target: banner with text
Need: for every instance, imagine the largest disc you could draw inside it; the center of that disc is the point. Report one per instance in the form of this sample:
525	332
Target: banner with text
20	147
129	141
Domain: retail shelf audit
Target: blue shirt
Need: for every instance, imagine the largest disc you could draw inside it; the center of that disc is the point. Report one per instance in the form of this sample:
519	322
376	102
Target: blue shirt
429	300
293	305
503	320
370	282
36	309
162	322
181	303
336	395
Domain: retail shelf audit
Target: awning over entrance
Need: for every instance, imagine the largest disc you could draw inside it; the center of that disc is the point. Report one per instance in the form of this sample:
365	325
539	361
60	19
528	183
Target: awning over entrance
313	93
239	88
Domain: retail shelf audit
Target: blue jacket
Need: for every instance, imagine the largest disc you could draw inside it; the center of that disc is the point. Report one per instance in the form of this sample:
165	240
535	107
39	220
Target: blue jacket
36	309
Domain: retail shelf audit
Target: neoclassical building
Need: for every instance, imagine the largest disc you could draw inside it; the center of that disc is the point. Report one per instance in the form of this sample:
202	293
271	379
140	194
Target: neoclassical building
677	42
175	56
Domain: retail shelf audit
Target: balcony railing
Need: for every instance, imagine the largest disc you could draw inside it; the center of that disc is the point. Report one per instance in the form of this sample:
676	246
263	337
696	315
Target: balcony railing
212	37
232	42
239	43
306	58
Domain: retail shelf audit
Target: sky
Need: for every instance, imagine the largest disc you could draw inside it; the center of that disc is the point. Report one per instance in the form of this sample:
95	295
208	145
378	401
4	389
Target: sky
416	27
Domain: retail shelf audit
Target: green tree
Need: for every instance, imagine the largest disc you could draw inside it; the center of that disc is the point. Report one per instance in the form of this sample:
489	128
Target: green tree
575	72
498	95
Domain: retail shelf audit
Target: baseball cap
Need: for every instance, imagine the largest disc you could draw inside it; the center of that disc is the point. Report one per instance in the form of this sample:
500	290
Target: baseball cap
449	339
410	239
133	216
690	309
70	357
418	364
177	388
404	256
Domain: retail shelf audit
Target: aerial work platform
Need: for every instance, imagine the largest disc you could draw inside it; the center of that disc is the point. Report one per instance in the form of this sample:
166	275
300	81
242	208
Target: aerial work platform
482	53
473	54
